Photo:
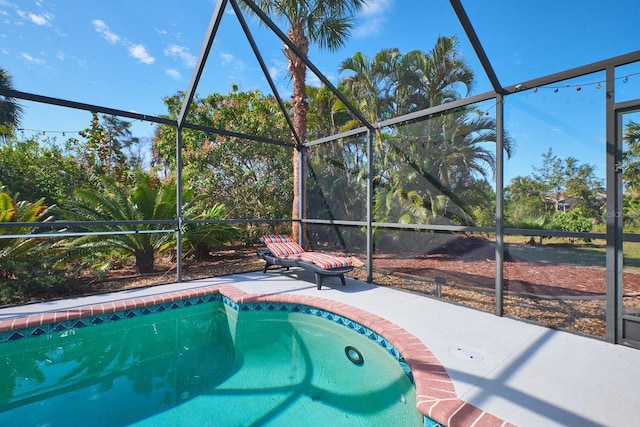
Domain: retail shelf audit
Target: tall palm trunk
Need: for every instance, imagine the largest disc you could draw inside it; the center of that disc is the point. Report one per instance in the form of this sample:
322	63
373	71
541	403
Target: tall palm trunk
327	23
298	70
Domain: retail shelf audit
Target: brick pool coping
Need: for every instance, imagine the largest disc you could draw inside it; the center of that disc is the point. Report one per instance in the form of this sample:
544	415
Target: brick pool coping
435	393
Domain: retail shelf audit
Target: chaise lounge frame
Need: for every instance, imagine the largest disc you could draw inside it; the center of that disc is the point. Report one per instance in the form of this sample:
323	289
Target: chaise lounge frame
293	260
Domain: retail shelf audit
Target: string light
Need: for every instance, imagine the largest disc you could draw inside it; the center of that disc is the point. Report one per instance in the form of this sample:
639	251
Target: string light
556	89
44	132
61	132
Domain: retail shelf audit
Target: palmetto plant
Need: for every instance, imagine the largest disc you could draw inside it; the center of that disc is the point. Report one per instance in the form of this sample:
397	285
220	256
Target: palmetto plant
28	264
12	249
200	235
109	201
150	200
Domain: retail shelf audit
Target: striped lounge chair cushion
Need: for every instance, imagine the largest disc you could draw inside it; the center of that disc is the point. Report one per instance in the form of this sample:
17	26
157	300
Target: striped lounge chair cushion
324	261
282	246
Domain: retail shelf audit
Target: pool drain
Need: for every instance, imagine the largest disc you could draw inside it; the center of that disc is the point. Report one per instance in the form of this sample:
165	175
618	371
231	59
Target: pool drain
354	355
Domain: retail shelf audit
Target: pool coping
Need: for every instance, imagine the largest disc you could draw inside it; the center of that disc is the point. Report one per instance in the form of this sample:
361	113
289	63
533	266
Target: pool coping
435	393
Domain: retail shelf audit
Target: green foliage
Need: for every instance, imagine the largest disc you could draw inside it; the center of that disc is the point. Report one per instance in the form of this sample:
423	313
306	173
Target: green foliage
435	169
198	237
631	158
335	189
10	110
252	179
535	223
394	83
572	220
564	179
523	201
631	176
38	169
108	200
105	146
560	183
19	212
326	115
28	265
483	207
437	176
151	199
541	222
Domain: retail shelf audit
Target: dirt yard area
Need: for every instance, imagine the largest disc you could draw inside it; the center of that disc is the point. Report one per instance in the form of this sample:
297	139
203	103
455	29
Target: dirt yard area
566	296
559	295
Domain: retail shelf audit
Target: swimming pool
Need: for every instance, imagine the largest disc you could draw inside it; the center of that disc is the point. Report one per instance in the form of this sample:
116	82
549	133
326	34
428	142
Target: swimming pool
212	362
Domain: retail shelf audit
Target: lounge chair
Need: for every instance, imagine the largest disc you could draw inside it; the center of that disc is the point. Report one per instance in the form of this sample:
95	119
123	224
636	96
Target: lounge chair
283	252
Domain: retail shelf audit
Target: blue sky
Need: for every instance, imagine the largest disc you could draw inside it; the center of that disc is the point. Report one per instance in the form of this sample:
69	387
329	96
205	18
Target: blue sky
130	54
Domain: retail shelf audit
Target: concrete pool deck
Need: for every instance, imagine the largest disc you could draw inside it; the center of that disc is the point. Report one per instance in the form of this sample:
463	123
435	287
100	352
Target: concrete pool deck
525	374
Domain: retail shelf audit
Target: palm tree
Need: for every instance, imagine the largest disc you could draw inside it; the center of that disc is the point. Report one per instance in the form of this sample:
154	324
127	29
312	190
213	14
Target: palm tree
631	157
392	83
10	110
326	23
434	167
430	166
427	79
372	82
631	174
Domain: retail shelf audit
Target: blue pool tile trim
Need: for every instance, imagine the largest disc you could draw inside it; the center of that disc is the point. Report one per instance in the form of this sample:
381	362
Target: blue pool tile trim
106	317
70	325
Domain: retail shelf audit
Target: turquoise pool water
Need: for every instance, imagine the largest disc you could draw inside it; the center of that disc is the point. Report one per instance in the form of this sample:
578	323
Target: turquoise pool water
204	365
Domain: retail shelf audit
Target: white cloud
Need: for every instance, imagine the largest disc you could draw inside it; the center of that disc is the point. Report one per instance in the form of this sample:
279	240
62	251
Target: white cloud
274	72
42	19
376	7
39	19
181	52
103	29
278	69
174	74
139	52
226	58
373	15
31	59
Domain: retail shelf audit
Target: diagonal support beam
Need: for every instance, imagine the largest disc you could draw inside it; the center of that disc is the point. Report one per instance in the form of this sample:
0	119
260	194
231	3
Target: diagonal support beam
269	23
265	70
202	59
477	46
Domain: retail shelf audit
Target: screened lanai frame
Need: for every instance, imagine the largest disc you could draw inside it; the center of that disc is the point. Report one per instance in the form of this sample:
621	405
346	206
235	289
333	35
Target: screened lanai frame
614	235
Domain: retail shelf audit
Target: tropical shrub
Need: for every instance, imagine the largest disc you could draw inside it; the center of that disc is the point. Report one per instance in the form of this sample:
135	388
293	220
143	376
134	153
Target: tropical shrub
152	204
29	265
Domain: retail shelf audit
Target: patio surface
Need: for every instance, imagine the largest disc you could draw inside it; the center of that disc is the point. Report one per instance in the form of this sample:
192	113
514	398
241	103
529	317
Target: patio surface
525	374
